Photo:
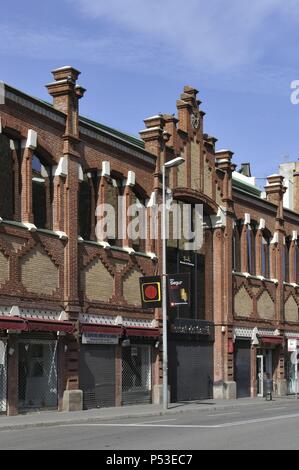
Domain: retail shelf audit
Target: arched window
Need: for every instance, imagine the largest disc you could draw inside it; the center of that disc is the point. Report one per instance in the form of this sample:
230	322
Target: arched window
250	239
236	248
42	192
295	261
265	254
286	260
113	193
9	178
85	208
197	264
90	197
139	221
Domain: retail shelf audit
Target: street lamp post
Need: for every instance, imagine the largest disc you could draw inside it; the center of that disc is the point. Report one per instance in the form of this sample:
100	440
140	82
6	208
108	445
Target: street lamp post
172	163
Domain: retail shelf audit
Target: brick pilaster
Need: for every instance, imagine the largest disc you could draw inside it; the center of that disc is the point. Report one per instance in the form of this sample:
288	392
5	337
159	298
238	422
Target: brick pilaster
26	185
219	365
58	203
12	376
275	191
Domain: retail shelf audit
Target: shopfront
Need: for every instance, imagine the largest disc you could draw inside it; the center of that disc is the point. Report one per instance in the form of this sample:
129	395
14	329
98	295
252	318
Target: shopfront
37	372
191	360
38	363
137	359
3	375
97	376
267	355
264	369
116	365
242	366
29	351
292	355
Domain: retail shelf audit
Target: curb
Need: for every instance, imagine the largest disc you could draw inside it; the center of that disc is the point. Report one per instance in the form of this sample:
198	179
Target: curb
98	419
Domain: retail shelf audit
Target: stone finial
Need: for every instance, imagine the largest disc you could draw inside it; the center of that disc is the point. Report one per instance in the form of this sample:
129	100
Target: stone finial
153	135
67	72
223	159
275	190
64	86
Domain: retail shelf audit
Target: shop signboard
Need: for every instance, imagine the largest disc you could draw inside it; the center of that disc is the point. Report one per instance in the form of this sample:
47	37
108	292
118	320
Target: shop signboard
178	289
151	291
292	345
99	338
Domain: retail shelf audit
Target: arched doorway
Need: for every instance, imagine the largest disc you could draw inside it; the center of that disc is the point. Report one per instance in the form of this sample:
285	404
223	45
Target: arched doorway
191	330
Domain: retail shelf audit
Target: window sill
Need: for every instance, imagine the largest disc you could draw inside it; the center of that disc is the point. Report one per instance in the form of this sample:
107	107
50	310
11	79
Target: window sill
258	278
120	249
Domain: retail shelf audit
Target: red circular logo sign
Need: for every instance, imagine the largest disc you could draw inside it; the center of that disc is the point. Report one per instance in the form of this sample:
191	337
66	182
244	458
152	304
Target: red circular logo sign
151	292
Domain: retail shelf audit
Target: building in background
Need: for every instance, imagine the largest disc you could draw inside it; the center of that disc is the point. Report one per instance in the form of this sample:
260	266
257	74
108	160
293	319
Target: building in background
73	333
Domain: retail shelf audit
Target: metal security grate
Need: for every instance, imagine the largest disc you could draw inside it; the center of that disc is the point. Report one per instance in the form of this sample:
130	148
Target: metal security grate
136	374
37	374
3	376
97	375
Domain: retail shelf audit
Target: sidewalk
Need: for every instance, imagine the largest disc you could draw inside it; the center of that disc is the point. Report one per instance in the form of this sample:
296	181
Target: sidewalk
55	418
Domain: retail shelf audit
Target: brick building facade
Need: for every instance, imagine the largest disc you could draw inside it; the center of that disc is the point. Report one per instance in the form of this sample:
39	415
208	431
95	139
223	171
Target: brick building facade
72	329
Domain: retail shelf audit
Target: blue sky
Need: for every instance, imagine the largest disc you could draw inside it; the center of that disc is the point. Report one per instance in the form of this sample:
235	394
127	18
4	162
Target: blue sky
136	55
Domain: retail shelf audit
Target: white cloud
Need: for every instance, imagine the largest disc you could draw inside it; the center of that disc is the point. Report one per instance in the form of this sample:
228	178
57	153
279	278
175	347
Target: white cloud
227	41
217	34
67	45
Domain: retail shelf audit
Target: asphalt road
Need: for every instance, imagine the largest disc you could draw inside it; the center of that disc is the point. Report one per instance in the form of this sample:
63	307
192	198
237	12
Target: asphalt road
270	426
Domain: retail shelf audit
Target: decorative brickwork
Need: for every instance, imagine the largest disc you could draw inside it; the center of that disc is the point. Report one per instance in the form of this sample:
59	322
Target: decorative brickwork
4	268
15	243
195	167
243	303
208	180
291	309
97	282
38	272
45	270
131	288
265	306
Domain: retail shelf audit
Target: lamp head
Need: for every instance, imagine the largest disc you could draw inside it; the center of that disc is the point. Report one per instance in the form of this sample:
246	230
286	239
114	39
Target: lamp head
174	162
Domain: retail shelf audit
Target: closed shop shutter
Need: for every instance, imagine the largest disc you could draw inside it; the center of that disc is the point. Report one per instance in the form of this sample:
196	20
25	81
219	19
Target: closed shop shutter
190	370
97	375
242	368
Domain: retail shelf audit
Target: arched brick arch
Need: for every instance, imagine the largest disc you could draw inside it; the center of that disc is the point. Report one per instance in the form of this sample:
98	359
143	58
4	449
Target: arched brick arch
19	131
196	197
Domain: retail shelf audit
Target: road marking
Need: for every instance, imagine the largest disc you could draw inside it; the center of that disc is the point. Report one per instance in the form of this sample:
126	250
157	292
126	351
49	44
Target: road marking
158	421
225	414
187	426
274	408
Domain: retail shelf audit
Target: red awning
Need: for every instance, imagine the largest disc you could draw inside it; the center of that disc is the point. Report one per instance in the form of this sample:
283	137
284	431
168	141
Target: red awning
101	329
149	332
35	324
271	339
13	323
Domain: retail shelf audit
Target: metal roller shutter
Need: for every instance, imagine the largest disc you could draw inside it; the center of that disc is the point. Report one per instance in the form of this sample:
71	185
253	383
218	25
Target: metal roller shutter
242	368
97	375
190	370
